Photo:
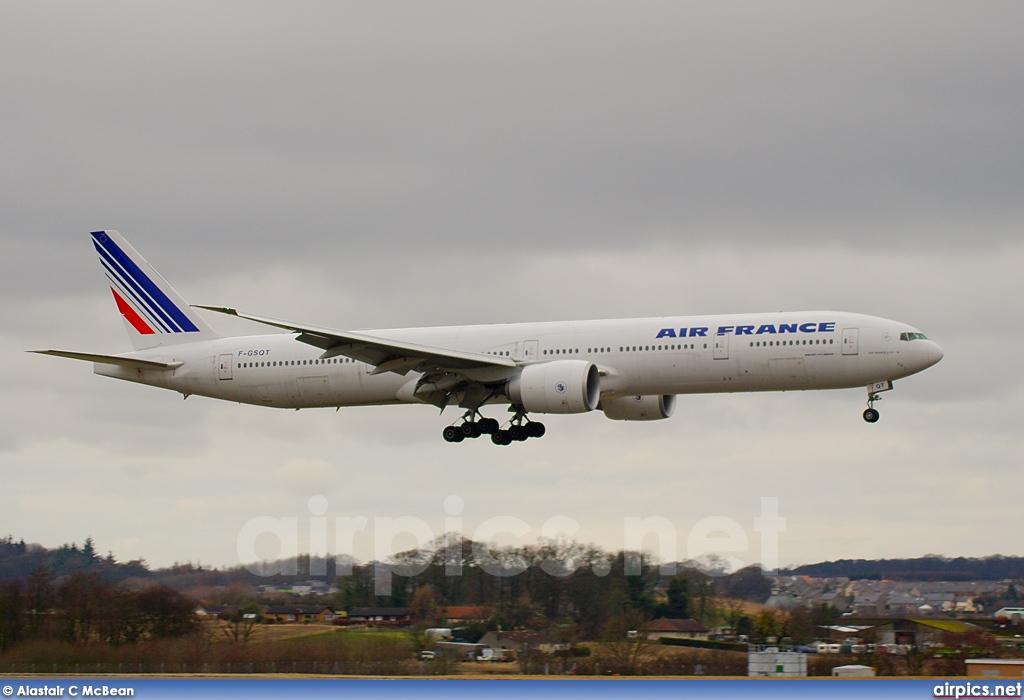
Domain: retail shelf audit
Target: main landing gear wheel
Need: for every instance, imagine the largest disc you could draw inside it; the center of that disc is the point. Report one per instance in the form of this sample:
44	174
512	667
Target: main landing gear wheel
470	428
453	433
501	437
871	415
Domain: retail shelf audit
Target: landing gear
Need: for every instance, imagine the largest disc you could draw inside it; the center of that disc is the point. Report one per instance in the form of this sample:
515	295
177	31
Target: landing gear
871	414
453	433
488	426
520	428
470	428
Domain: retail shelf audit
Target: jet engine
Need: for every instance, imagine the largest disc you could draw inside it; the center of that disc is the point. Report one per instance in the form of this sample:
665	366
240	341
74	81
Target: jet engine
639	407
562	386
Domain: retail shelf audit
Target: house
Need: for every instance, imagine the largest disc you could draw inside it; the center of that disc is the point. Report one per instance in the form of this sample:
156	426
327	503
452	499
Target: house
966	604
280	613
522	641
290	613
675	629
210	611
395	615
319	613
463	614
869	604
905	603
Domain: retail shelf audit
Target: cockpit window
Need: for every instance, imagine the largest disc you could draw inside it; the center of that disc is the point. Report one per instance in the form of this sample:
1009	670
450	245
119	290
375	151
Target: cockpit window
913	336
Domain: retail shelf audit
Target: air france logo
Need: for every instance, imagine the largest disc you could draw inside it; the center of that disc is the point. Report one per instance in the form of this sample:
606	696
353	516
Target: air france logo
765	328
560	387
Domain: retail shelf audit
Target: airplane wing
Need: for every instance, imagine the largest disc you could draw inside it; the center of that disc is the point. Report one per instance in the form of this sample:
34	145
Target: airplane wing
111	359
385	354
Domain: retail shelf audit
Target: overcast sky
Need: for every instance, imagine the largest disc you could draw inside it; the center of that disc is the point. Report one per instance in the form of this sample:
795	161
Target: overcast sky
382	164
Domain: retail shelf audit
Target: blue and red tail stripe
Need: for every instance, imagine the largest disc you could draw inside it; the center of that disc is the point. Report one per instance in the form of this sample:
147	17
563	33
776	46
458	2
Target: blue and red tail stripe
136	293
138	323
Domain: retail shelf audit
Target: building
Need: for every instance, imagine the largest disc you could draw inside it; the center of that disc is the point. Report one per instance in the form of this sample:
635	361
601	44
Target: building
995	668
853	671
280	613
290	613
772	662
918	632
1014	615
869	604
464	614
675	629
522	641
394	615
312	588
210	611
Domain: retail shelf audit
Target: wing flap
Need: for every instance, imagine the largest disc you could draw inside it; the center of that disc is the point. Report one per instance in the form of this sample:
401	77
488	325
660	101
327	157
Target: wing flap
131	362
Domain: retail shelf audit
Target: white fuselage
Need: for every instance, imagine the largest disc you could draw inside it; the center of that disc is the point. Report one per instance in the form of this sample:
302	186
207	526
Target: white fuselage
647	356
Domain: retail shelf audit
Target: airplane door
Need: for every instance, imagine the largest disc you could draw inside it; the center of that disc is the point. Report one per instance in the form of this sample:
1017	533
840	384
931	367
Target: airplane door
850	344
722	346
224	366
530	350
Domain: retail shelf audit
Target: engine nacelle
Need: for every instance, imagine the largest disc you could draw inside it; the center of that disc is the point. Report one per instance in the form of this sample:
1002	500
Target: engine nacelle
639	407
562	386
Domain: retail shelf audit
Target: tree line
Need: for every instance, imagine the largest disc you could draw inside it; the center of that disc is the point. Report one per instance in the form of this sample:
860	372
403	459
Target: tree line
84	607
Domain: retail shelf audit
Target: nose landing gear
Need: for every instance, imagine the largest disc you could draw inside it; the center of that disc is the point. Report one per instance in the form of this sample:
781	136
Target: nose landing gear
871	414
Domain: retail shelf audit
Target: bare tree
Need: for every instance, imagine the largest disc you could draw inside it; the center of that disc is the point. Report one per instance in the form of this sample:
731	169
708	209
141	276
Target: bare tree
624	648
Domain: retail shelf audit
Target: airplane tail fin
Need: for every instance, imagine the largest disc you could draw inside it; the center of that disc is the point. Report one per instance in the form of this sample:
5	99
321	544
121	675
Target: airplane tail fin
153	312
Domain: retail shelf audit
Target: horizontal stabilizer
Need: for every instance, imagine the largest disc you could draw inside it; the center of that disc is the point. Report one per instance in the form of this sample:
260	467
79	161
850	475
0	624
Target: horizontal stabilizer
112	359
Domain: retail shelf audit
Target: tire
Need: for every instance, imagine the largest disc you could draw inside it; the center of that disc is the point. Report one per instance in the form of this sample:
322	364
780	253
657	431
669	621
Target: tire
471	430
535	430
501	437
452	434
488	425
871	415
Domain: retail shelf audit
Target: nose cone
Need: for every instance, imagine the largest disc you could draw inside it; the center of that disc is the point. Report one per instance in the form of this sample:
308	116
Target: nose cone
934	353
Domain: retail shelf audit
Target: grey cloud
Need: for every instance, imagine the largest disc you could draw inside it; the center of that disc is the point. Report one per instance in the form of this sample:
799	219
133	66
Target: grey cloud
366	165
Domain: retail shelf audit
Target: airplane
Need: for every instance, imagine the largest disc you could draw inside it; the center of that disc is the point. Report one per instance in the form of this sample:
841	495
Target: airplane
630	369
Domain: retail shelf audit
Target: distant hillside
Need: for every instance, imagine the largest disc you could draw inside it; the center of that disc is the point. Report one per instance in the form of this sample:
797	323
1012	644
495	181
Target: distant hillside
928	568
18	559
